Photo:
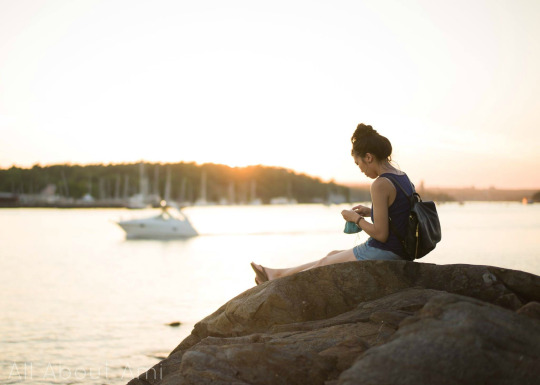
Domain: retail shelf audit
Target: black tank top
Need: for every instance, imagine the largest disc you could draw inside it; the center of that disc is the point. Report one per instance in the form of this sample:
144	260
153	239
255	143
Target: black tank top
399	213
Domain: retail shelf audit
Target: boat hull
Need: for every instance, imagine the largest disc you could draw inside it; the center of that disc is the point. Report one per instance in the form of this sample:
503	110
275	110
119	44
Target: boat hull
137	229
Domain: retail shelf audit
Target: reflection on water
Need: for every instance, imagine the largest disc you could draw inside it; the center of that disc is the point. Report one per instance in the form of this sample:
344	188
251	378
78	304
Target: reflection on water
80	304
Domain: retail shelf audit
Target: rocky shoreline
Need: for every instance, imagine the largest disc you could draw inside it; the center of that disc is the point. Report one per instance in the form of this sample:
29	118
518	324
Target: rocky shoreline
375	322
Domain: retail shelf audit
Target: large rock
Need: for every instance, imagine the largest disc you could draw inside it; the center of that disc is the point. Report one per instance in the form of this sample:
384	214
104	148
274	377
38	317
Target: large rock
375	322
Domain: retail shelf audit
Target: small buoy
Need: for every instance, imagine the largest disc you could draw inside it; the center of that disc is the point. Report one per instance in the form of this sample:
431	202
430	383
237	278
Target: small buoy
175	323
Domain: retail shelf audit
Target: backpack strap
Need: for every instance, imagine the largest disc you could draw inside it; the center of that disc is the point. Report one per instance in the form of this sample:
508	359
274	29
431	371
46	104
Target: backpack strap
395	182
414	197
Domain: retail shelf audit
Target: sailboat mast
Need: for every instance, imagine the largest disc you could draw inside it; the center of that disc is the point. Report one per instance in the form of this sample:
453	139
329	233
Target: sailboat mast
167	195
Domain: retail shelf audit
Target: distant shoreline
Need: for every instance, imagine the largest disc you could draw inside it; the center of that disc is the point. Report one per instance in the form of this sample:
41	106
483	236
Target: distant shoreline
123	206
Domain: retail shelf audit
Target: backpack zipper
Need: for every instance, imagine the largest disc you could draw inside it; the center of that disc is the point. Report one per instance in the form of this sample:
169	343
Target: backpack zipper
416	252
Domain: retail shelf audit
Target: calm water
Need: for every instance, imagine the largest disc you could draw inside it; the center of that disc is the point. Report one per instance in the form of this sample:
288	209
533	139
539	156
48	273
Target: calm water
80	304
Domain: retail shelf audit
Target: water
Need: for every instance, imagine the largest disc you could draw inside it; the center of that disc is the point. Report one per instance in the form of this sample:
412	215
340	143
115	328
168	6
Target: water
80	304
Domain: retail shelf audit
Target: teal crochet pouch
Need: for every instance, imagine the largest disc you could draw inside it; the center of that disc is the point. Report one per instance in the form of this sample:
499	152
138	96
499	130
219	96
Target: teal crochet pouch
351	228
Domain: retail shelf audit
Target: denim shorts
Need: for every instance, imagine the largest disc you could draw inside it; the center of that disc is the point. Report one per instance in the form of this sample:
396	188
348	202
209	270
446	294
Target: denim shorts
364	252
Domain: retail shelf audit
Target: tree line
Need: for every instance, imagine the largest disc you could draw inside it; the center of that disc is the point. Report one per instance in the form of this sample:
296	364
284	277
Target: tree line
124	180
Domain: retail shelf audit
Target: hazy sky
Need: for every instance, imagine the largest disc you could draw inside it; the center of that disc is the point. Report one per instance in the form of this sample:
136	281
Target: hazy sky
453	84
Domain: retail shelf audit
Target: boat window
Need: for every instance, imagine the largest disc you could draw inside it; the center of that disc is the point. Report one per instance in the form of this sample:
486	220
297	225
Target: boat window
176	214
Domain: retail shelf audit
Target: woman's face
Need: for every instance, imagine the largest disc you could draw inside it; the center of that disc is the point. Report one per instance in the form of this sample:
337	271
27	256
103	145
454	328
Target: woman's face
364	163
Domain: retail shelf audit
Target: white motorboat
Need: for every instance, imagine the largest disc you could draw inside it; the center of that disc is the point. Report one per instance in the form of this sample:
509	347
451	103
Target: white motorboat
169	224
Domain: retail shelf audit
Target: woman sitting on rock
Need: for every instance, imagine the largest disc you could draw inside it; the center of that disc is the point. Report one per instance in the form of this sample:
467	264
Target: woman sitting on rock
372	153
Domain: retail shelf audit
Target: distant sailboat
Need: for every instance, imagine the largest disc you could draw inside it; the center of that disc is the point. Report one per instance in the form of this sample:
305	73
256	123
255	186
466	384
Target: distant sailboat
202	198
288	200
283	201
254	200
167	194
88	198
232	195
182	199
139	201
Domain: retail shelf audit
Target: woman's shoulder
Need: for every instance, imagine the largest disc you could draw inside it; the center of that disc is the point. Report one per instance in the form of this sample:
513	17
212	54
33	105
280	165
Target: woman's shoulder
382	185
386	180
401	179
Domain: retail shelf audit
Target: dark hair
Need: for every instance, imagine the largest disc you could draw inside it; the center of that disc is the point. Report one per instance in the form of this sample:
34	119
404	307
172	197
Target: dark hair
365	139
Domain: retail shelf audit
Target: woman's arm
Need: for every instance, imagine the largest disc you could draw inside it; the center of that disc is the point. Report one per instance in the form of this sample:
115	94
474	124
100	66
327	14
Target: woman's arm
380	196
363	210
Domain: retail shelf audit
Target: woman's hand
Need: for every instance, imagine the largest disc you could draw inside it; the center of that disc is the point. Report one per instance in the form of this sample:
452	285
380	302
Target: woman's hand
350	215
363	210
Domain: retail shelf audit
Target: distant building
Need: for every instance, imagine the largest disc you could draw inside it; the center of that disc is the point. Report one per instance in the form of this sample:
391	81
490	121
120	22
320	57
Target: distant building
8	199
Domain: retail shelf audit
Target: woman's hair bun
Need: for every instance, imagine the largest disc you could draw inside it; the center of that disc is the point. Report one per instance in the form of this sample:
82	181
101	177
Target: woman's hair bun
365	139
363	130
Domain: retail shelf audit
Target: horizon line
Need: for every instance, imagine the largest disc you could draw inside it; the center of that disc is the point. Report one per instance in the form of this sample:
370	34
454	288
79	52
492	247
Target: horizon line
347	183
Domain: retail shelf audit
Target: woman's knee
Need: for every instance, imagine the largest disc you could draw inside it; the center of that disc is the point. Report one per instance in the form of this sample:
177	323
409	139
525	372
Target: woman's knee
323	261
340	256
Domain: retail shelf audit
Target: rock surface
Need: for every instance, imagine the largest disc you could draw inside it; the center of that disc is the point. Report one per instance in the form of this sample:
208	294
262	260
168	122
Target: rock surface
374	322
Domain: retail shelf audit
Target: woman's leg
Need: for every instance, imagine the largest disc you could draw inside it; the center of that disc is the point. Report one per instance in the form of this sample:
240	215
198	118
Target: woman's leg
336	256
333	258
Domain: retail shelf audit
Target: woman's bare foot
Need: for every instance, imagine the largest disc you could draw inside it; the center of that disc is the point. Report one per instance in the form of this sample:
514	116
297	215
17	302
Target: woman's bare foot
260	271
